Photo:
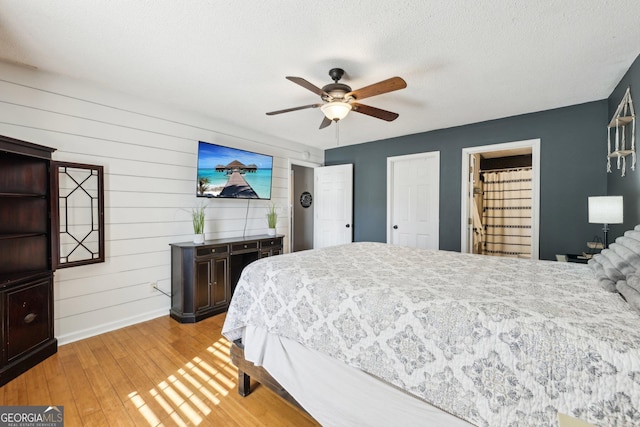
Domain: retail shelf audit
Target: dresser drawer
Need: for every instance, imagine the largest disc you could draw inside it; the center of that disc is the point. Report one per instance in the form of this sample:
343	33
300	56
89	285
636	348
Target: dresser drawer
212	250
245	246
271	243
28	317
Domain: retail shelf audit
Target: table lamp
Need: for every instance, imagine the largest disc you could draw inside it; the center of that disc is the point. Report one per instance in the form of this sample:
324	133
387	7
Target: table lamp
605	210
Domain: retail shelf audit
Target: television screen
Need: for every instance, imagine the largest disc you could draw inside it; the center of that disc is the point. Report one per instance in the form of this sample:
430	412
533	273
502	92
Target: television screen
227	172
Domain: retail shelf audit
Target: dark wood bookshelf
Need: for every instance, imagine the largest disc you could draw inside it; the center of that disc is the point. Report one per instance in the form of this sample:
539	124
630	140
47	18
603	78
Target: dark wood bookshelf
26	247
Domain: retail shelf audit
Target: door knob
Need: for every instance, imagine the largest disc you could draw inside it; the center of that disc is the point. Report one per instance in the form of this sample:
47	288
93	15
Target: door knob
348	225
395	227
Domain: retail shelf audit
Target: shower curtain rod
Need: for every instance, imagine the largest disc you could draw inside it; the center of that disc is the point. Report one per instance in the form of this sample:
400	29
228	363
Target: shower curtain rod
522	168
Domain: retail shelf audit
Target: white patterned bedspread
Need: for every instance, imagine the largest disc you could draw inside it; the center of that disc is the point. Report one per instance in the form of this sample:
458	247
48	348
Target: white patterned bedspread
495	341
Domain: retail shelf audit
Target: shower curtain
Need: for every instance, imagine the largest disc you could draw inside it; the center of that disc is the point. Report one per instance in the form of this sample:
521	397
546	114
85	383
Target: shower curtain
507	213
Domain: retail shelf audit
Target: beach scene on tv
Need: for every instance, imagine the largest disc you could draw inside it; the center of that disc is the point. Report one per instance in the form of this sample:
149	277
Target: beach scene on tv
229	172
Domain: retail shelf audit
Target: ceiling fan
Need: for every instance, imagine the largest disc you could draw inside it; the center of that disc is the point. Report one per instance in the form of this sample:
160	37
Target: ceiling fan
339	99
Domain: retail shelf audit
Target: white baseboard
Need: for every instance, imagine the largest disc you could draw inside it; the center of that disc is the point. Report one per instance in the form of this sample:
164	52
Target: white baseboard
112	326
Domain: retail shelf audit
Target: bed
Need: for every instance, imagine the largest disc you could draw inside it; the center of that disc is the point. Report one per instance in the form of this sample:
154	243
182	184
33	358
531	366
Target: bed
377	334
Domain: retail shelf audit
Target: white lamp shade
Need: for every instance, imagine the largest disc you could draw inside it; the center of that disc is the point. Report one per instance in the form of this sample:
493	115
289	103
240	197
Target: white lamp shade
605	210
336	110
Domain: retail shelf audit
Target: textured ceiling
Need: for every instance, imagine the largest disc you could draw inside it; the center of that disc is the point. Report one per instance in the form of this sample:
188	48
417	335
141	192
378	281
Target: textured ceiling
464	61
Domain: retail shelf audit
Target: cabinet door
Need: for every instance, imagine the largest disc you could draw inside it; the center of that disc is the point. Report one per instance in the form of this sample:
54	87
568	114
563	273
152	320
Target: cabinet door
28	317
202	292
220	285
212	284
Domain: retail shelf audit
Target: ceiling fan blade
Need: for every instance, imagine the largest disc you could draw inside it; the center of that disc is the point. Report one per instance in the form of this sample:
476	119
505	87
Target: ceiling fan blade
378	113
325	122
271	113
389	85
310	86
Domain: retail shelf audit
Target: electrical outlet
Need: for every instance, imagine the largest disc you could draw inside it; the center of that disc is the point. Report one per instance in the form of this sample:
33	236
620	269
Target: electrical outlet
153	286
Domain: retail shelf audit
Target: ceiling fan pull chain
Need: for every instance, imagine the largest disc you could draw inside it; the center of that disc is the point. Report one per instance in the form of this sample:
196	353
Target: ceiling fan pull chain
337	133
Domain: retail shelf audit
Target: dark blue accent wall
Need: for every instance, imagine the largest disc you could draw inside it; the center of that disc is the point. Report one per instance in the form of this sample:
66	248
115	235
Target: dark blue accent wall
572	167
629	186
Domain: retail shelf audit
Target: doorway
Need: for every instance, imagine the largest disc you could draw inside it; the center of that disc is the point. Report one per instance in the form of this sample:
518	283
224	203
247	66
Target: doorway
500	199
302	206
320	205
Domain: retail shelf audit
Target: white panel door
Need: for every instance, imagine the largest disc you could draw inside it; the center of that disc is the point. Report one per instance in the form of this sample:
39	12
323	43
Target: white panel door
333	205
413	200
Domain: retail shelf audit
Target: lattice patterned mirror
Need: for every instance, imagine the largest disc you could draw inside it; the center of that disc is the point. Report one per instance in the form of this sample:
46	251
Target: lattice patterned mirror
81	214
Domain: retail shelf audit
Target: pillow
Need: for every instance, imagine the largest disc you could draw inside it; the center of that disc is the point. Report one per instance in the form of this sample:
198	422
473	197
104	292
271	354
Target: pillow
632	258
619	262
623	264
633	280
634	234
629	293
631	244
603	278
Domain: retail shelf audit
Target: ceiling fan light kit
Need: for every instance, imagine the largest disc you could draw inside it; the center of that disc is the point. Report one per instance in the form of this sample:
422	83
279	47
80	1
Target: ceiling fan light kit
338	98
336	110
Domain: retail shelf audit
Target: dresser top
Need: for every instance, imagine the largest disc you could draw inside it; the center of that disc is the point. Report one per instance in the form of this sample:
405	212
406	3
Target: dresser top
228	240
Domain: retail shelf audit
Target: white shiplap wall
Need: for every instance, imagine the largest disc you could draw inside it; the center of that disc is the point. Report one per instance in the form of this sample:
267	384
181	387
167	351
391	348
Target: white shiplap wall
149	155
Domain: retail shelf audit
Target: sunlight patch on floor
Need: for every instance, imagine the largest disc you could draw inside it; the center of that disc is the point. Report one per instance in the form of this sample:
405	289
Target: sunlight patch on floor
187	396
216	373
199	386
210	381
144	409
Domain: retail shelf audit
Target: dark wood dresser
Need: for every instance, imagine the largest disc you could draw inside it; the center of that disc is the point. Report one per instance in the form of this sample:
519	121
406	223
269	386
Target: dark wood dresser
204	276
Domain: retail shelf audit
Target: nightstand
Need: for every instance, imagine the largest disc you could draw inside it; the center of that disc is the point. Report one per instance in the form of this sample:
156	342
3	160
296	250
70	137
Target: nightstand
579	258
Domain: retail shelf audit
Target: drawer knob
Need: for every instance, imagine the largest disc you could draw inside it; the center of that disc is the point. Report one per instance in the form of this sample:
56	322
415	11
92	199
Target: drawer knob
213	250
245	246
30	317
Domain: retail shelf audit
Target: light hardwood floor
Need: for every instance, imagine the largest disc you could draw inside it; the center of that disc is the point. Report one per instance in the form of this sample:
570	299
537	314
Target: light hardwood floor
154	373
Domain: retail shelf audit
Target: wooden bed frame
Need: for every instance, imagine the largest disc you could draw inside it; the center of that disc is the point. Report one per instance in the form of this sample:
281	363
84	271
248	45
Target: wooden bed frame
247	370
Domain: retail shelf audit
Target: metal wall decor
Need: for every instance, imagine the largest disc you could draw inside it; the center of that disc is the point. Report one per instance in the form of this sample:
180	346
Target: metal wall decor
306	199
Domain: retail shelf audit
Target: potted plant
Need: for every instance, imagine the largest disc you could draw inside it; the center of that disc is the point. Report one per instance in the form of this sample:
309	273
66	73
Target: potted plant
272	219
197	216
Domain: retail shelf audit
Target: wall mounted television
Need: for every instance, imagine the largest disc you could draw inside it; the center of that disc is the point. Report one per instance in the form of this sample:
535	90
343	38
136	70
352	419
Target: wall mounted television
225	172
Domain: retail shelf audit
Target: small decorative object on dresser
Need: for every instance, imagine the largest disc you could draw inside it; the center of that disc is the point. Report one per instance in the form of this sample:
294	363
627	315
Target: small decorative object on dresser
197	216
272	219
